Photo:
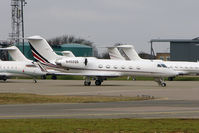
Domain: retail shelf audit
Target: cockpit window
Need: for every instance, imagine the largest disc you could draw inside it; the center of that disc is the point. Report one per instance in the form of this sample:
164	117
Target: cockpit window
159	65
163	65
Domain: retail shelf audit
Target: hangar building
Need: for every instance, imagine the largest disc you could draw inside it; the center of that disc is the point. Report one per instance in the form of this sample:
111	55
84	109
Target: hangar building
181	49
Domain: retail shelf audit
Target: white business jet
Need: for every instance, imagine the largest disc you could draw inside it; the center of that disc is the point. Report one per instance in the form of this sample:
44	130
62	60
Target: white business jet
98	69
129	53
20	66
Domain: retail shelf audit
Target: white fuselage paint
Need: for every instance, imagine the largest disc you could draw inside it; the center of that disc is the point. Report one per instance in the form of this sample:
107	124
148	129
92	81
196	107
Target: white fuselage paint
19	68
122	67
181	67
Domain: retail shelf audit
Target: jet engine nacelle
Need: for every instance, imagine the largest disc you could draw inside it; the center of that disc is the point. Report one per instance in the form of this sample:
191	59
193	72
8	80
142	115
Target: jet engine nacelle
77	62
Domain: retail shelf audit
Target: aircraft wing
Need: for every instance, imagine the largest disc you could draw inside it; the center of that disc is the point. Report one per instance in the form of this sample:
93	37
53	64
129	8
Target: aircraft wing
183	72
93	74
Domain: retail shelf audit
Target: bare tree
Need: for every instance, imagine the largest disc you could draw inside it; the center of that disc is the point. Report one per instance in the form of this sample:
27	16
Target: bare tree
66	39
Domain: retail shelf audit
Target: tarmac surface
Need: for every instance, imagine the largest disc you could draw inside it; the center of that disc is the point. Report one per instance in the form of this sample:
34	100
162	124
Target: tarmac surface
180	99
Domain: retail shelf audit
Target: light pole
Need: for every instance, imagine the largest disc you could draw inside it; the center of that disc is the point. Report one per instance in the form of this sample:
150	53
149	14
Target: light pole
23	3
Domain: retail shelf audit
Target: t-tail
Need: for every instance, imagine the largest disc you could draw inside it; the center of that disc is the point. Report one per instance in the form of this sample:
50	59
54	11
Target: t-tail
115	54
41	50
15	53
129	52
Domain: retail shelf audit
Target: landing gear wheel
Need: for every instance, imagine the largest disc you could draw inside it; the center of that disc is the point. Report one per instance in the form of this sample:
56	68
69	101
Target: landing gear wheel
4	78
54	77
163	84
87	83
98	82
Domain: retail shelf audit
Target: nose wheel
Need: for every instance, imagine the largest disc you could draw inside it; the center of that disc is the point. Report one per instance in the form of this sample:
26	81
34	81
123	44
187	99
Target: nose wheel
160	82
163	84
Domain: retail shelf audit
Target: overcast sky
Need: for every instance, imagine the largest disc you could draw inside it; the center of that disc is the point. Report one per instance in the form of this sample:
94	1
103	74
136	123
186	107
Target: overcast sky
106	22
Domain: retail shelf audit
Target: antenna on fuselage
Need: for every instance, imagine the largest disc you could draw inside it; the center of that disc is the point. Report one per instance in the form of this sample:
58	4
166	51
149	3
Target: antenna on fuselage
86	61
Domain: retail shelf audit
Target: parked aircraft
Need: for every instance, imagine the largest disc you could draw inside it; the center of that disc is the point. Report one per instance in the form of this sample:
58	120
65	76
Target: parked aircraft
181	67
20	66
98	69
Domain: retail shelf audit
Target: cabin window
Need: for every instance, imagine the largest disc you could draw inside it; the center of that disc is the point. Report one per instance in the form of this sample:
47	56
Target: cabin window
130	67
123	67
138	68
108	66
115	67
100	66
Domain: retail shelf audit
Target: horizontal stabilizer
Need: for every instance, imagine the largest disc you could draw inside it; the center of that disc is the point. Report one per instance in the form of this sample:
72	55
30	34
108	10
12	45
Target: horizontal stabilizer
68	54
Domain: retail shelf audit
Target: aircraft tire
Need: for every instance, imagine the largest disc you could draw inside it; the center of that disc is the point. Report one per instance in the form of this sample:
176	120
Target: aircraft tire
87	83
4	78
98	82
54	77
163	84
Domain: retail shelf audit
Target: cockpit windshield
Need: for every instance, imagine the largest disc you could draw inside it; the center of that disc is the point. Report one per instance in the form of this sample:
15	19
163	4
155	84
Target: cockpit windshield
159	65
163	65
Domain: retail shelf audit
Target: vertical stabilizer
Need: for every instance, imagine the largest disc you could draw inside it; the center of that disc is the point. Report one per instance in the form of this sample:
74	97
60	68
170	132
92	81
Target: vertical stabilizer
41	50
129	52
115	54
15	53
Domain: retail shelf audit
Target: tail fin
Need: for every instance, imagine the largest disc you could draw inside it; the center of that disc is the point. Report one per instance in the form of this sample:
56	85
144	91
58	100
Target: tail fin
115	54
15	53
129	52
41	50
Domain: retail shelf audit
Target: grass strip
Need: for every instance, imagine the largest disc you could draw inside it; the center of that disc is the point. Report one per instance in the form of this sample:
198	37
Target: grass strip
99	126
18	98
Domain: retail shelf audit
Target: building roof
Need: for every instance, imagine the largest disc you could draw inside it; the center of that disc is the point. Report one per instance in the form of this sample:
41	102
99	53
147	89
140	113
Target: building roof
195	40
72	45
69	45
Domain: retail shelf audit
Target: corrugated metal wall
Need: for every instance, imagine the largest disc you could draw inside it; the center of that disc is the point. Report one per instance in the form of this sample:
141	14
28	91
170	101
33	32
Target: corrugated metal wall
184	51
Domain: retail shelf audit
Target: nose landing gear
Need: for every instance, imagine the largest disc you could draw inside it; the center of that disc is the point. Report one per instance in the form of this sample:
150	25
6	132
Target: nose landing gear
160	82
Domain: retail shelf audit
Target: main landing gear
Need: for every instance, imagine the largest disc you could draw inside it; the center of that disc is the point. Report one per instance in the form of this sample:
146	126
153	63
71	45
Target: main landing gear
160	82
34	79
98	82
4	78
87	81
